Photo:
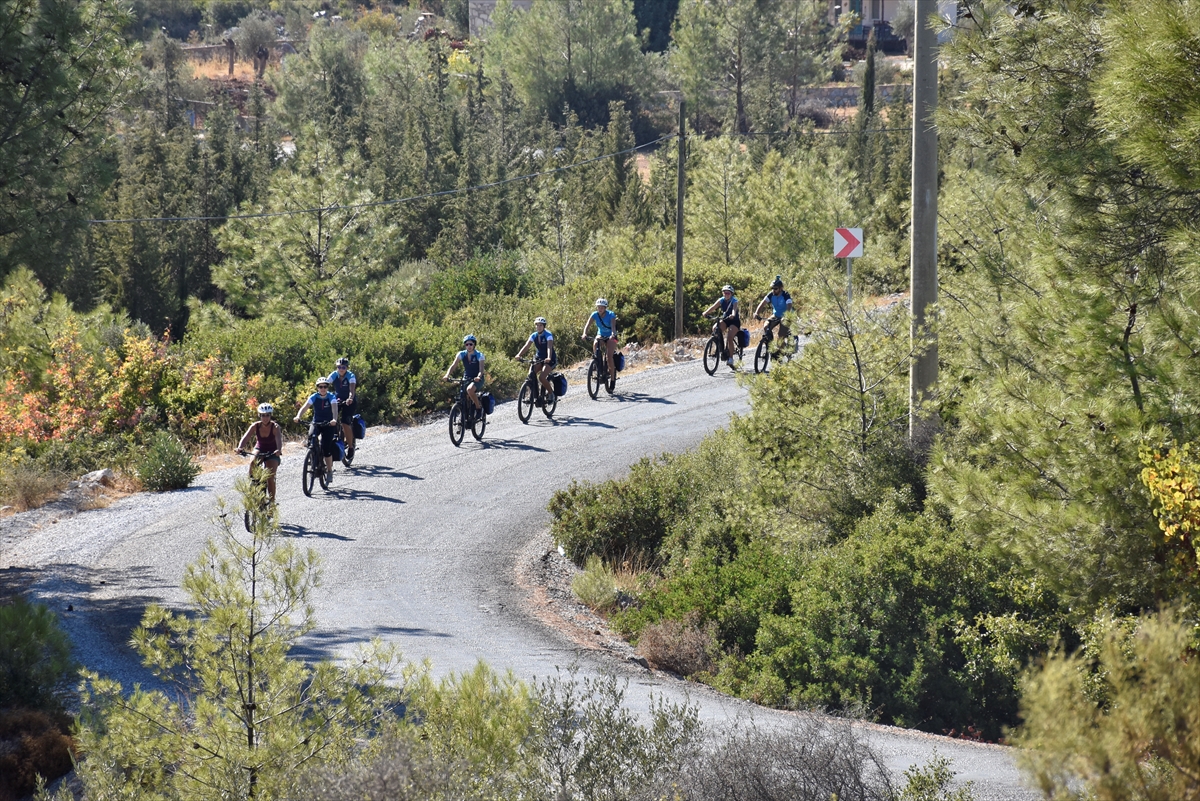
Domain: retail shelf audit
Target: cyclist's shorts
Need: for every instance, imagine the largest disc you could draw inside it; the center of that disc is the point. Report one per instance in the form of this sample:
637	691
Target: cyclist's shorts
347	411
328	434
270	460
735	320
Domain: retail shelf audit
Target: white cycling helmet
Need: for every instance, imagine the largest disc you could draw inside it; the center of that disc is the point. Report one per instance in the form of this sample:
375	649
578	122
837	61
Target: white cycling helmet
727	288
602	302
541	320
266	408
322	382
470	338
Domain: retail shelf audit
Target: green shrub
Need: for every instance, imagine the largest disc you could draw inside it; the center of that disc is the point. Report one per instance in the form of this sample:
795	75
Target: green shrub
36	657
879	620
167	465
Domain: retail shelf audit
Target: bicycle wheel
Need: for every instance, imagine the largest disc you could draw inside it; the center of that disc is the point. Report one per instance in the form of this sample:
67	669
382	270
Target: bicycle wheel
246	519
525	403
308	474
319	464
457	429
549	403
762	356
712	356
479	426
594	379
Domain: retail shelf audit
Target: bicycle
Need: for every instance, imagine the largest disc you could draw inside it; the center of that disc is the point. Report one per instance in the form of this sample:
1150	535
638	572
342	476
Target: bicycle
598	369
763	355
714	350
251	515
313	472
534	394
464	415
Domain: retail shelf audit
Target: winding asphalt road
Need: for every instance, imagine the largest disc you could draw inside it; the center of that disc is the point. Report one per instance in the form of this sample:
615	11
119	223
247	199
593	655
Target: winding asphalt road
419	543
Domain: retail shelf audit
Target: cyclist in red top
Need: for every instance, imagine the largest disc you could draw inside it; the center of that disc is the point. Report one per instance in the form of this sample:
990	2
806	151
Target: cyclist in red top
268	445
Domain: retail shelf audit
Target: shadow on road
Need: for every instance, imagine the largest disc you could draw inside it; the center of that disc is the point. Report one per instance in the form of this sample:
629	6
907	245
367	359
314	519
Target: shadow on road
349	494
331	644
293	530
510	445
579	421
380	471
640	397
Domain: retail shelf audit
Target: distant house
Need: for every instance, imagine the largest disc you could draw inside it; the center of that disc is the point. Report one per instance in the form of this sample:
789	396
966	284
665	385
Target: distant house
481	12
878	14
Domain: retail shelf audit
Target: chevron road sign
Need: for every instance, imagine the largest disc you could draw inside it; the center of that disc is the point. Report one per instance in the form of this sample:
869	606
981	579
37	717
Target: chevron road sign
847	243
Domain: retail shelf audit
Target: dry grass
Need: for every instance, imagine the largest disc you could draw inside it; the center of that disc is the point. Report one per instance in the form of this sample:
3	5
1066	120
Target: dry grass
604	588
217	69
32	744
684	647
26	486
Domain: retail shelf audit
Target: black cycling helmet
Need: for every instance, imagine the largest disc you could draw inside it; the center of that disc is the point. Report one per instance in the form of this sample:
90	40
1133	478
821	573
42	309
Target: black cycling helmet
778	282
342	362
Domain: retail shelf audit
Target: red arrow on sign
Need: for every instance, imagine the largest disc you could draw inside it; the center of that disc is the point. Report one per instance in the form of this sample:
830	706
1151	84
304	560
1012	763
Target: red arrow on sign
847	243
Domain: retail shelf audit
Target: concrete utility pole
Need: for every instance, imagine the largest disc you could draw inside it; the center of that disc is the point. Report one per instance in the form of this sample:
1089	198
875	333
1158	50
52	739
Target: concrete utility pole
679	223
923	370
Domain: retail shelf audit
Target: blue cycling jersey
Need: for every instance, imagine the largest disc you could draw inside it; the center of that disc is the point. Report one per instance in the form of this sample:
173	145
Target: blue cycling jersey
322	407
341	386
541	343
726	304
604	324
471	366
779	303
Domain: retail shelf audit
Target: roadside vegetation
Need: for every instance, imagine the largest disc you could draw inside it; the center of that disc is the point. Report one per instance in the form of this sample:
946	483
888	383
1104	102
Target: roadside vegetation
809	556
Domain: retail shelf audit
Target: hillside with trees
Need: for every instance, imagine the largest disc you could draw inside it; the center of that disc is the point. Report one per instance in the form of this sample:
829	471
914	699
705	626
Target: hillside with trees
178	243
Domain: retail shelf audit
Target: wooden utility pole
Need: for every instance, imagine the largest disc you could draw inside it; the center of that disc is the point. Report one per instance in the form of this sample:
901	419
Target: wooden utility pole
679	222
923	370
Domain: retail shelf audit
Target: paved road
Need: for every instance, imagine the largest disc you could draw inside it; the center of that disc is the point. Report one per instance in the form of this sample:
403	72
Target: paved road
419	543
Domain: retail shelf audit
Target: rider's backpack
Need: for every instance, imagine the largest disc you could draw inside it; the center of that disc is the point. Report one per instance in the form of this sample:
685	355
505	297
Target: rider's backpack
619	361
559	381
360	427
743	337
489	403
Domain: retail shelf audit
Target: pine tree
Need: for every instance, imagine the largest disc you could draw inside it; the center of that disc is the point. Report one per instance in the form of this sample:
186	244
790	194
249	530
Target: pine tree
246	715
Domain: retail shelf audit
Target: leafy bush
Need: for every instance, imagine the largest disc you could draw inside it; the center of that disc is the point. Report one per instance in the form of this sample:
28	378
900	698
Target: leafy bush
807	758
664	504
879	621
1118	720
167	465
36	657
33	744
403	771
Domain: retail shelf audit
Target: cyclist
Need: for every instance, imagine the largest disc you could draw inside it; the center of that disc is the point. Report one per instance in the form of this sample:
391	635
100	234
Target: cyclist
730	321
268	445
543	344
781	303
472	362
343	384
606	329
325	414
